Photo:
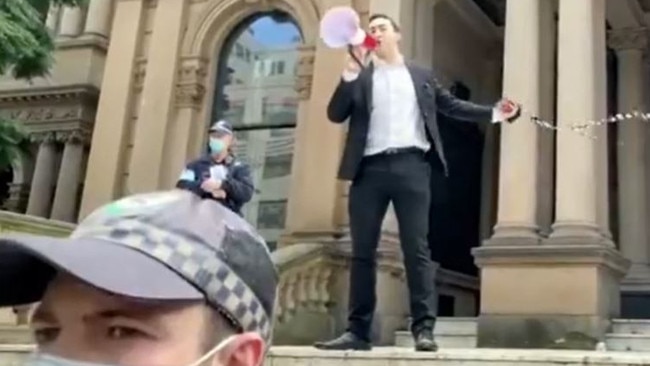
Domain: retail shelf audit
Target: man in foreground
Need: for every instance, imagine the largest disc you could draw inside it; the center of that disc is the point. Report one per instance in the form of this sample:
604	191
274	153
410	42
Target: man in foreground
391	105
161	279
219	175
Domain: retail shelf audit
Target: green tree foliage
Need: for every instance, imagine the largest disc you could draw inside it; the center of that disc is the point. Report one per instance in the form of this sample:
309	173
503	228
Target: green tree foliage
26	49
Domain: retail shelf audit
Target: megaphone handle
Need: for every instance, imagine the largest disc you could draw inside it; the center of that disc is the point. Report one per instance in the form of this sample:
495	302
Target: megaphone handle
356	59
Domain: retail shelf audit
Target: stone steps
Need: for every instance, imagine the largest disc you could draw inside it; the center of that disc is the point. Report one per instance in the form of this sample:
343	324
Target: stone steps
455	333
14	355
449	333
390	356
629	335
11	334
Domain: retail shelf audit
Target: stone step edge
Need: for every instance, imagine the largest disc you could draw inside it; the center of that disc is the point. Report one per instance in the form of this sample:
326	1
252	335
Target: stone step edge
631	321
627	336
4	348
626	358
403	333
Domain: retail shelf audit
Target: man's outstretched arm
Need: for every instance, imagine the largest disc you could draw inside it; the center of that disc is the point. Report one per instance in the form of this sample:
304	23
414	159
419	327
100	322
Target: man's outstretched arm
457	108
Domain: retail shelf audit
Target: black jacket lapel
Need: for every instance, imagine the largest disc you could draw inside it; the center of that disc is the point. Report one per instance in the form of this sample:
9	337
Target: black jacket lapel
366	75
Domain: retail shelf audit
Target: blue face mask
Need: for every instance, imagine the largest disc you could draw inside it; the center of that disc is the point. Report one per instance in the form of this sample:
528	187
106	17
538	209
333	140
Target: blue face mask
43	359
216	146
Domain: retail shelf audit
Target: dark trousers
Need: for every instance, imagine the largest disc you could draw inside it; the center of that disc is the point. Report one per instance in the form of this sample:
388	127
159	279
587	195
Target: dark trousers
402	179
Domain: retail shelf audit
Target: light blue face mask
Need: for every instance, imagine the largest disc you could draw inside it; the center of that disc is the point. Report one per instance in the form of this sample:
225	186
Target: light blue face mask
216	146
44	359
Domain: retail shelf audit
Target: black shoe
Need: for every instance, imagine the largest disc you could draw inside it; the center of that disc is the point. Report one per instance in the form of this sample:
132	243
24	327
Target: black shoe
424	341
347	341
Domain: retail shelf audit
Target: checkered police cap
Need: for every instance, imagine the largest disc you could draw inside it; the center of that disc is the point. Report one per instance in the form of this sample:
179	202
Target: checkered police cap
158	246
221	126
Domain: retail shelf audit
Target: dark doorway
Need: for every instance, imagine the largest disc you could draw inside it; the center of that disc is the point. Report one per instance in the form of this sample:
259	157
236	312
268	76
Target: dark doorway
455	207
6	177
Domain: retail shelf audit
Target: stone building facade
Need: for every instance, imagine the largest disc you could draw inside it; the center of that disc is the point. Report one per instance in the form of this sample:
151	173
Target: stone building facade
554	221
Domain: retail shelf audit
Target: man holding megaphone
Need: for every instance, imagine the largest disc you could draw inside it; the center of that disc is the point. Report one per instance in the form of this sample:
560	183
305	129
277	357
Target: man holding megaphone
391	105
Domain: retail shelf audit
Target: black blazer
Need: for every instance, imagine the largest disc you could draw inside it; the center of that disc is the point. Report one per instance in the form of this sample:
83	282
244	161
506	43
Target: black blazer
353	100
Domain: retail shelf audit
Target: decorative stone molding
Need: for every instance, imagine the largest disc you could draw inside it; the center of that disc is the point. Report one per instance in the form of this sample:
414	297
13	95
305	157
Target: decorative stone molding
305	71
43	114
628	39
139	73
48	95
42	137
43	110
73	137
221	17
190	85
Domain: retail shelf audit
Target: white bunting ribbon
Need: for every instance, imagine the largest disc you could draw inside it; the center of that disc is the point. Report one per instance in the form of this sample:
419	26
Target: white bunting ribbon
583	128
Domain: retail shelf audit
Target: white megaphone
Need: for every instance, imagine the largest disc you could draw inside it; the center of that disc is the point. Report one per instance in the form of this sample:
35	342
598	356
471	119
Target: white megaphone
341	27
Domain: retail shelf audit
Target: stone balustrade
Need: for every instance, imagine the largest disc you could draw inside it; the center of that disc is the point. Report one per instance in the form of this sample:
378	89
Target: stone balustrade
312	294
11	223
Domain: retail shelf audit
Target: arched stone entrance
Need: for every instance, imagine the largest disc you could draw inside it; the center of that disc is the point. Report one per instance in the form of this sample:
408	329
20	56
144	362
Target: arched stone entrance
255	91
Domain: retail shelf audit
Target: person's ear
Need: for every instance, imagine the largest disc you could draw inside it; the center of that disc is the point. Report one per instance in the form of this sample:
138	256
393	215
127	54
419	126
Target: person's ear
243	350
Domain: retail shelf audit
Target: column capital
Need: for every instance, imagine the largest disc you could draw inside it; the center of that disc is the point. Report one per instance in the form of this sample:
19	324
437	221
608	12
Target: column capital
73	137
42	137
305	71
190	87
622	39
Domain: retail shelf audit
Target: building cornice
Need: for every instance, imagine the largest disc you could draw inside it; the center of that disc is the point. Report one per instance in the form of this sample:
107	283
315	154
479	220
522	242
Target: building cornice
48	94
58	110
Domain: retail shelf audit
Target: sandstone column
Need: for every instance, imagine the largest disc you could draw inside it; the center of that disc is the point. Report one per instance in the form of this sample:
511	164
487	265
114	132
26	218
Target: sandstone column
318	145
98	18
586	269
156	109
519	149
633	207
105	163
53	17
521	284
40	194
581	97
423	39
71	21
186	136
67	187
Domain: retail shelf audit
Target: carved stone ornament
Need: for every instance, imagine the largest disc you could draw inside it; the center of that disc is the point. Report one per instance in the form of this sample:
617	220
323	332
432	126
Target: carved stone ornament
190	86
73	137
29	115
628	39
305	72
43	137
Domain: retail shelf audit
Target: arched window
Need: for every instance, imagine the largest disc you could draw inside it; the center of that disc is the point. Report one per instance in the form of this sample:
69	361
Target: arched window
256	92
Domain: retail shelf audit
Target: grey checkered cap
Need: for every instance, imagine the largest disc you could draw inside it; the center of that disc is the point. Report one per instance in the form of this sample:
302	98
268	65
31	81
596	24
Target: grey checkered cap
210	247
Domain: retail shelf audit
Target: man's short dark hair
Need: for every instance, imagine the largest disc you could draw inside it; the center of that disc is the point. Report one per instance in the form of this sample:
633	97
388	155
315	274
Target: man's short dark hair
384	16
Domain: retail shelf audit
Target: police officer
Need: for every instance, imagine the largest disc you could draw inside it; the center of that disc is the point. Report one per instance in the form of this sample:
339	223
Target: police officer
155	279
219	175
